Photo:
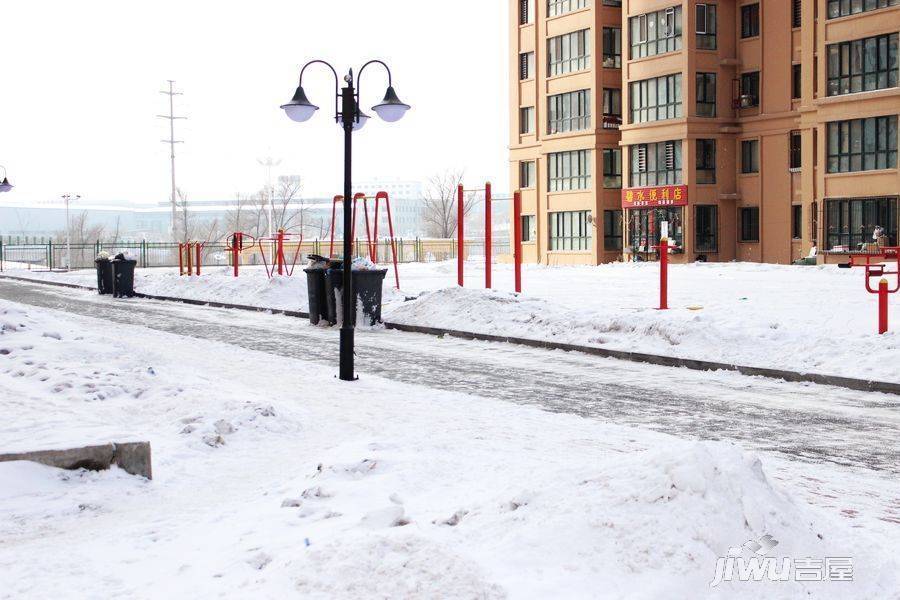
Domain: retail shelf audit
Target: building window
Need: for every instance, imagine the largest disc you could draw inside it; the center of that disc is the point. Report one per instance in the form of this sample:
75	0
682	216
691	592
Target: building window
851	222
612	48
569	112
706	228
795	155
750	156
527	170
526	120
528	228
570	52
569	170
796	13
526	12
842	8
612	108
570	230
862	144
750	20
749	89
526	65
612	3
706	161
656	164
561	7
795	81
656	99
796	221
644	227
750	224
612	168
863	65
706	26
706	94
612	229
655	33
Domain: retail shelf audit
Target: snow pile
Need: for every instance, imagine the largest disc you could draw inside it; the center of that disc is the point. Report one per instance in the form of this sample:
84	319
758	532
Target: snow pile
269	485
808	319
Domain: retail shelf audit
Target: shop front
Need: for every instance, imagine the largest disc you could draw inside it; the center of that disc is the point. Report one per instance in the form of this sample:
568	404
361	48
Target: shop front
645	210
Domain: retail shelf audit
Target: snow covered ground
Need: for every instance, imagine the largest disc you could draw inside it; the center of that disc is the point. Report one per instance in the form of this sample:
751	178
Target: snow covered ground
810	319
280	484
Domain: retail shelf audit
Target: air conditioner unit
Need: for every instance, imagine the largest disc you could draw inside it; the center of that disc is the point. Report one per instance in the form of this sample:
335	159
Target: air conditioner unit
747	100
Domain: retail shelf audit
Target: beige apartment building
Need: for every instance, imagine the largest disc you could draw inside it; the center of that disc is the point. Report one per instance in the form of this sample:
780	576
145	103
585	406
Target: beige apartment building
757	129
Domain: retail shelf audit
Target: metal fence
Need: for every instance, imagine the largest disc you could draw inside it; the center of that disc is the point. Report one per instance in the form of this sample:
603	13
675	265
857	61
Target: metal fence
53	255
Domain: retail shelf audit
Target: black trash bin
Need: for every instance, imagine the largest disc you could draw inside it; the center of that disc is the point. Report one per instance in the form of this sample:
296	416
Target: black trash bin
104	275
123	277
316	293
367	286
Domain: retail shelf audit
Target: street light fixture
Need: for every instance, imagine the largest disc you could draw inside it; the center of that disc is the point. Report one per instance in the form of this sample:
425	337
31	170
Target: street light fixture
5	185
348	115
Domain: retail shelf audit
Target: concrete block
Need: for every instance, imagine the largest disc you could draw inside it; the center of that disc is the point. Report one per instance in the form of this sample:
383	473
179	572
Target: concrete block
131	457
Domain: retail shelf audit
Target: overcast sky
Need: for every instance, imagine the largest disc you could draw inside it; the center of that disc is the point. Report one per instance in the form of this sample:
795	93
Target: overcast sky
79	83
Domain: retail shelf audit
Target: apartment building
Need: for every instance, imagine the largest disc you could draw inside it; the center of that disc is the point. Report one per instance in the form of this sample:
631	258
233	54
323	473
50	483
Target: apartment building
756	130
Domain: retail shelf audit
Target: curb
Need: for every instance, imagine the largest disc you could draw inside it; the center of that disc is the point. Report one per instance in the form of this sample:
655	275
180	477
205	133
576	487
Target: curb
865	385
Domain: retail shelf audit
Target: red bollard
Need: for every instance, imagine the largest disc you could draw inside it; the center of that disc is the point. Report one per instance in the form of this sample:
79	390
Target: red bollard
460	235
882	306
663	274
487	236
190	259
517	240
237	244
198	248
180	260
279	251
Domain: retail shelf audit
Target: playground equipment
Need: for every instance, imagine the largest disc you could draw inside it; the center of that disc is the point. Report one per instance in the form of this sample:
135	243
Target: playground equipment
187	253
488	242
874	265
663	248
236	246
279	263
371	232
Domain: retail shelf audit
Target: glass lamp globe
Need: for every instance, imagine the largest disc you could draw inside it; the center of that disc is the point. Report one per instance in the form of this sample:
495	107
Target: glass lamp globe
391	108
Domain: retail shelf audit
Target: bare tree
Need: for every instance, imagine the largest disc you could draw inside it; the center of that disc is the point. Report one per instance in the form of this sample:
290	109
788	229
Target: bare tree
181	204
290	210
440	209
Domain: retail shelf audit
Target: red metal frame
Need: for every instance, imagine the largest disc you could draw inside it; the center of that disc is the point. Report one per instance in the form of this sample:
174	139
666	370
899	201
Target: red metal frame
460	235
371	229
875	267
279	262
188	253
488	230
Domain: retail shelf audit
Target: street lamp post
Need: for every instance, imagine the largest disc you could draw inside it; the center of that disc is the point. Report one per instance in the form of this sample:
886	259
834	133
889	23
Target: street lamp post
349	116
67	198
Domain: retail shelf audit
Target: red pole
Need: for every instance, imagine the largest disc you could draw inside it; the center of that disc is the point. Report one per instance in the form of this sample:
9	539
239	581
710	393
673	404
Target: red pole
460	235
664	274
882	306
279	251
199	249
180	259
189	258
487	235
236	245
331	242
387	204
517	240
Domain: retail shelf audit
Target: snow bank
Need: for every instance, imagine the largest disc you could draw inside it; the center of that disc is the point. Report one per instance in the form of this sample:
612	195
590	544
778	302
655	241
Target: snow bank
809	319
270	485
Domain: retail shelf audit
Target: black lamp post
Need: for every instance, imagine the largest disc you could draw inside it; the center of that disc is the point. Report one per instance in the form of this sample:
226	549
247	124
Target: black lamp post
351	118
5	185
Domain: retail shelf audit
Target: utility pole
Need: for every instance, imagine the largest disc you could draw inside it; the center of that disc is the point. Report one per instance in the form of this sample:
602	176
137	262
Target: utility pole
69	198
171	93
268	163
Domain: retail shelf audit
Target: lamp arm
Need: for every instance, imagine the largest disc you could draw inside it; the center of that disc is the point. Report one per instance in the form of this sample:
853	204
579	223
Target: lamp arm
336	93
359	75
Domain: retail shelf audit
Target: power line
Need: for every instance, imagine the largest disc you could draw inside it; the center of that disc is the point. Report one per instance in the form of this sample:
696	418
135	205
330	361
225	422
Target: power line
171	93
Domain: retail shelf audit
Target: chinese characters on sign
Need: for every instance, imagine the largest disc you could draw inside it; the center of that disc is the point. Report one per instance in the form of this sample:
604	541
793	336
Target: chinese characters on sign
667	195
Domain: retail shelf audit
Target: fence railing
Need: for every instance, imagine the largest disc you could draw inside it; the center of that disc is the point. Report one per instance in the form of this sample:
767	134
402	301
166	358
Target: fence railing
53	255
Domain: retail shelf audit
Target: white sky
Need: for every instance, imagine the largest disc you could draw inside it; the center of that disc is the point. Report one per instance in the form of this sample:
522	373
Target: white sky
79	83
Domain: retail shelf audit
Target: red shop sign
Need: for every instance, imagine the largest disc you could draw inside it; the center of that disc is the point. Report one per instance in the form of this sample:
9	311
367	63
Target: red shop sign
652	197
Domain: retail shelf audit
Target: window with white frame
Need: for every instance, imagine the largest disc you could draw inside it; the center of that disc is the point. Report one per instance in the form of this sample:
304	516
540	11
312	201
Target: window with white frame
569	112
569	52
569	170
656	32
656	99
570	230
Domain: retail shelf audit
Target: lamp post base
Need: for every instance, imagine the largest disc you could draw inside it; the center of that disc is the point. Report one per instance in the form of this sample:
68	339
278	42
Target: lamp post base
346	352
